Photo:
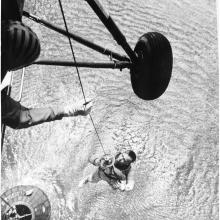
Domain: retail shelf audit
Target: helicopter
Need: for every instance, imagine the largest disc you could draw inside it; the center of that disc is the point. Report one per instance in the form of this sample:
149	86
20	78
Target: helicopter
150	65
150	62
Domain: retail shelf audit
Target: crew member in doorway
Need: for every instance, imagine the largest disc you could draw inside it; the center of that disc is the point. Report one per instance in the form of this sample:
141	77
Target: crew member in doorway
20	48
116	171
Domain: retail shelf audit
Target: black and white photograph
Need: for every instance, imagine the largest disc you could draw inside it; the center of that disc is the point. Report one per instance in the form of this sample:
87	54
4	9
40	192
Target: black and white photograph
109	110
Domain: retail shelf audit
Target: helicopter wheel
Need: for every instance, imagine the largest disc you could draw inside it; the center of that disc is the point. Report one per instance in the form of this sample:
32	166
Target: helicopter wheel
151	74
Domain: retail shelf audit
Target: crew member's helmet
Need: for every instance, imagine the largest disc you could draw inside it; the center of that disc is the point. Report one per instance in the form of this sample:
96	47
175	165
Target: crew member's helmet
20	46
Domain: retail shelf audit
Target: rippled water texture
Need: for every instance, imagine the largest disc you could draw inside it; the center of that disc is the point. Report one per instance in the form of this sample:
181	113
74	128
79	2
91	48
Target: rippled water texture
175	137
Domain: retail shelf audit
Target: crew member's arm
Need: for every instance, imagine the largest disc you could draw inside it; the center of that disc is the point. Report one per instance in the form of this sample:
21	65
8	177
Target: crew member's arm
17	116
35	116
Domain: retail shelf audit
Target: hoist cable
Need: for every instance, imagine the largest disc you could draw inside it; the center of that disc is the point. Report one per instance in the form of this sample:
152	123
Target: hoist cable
71	47
77	70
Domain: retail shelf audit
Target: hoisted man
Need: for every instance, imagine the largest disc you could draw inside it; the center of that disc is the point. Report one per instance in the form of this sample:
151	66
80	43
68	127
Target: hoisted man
20	48
115	170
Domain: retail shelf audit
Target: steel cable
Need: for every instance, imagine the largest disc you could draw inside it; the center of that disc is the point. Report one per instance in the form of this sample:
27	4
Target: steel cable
77	70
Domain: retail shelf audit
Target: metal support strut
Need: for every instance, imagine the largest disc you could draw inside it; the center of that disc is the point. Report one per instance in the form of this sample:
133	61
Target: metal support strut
77	38
109	65
112	28
150	63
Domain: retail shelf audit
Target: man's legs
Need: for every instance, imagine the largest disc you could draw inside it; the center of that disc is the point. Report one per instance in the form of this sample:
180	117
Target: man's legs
92	178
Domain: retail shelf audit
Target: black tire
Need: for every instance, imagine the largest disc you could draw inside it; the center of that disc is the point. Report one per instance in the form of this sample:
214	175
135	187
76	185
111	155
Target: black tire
151	74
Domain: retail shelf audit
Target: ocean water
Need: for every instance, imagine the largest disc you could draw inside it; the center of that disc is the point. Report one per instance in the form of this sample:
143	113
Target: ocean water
175	136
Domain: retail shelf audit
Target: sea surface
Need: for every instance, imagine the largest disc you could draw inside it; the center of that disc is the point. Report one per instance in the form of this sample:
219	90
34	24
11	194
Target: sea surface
175	136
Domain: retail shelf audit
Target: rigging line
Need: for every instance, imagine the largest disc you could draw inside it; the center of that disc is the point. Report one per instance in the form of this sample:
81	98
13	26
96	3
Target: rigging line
7	203
11	207
77	70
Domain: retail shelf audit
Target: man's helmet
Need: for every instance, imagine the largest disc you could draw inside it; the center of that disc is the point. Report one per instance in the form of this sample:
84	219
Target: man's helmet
124	160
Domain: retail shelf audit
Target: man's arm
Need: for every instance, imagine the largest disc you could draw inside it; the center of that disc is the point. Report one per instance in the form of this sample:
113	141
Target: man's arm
95	160
130	180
